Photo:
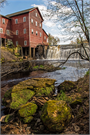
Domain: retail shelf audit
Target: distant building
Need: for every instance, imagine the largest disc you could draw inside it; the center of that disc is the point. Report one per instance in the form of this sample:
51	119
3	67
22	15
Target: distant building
24	28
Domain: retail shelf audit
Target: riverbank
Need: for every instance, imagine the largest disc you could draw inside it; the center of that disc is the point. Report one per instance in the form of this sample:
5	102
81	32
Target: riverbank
79	123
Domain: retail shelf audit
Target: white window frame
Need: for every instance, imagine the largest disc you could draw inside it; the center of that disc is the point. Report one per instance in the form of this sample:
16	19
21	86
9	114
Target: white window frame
24	31
36	32
16	21
3	20
24	19
25	42
36	23
36	14
16	43
17	32
40	34
1	30
31	20
8	32
44	37
32	31
47	40
40	25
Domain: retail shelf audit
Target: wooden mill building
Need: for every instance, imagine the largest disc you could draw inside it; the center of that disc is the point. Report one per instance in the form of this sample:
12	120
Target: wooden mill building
24	28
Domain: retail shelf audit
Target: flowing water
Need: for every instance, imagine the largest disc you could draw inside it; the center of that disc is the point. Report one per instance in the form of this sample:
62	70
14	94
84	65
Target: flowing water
72	70
55	52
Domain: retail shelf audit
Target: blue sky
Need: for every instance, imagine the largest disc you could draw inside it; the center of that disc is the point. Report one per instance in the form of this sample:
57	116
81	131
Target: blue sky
17	5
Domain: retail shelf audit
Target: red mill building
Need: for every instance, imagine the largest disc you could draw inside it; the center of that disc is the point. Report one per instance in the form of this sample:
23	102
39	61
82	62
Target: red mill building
24	28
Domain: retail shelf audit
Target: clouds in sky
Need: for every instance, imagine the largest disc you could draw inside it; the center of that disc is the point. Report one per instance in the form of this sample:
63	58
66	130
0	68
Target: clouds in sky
50	25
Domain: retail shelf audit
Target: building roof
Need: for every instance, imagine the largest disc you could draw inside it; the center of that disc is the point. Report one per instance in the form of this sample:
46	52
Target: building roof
45	32
4	16
23	12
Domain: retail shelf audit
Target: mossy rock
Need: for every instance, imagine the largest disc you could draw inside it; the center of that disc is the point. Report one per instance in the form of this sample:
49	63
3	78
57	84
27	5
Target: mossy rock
44	91
56	115
74	103
67	86
7	97
28	119
21	97
8	94
27	109
25	90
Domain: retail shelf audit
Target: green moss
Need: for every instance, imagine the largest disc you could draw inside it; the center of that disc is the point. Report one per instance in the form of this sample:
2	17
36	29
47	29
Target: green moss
87	73
41	66
27	109
62	96
36	67
27	119
66	86
8	93
44	91
21	97
75	102
8	118
55	115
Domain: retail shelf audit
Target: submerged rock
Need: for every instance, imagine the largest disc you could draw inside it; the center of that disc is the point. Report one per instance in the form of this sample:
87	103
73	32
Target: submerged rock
55	115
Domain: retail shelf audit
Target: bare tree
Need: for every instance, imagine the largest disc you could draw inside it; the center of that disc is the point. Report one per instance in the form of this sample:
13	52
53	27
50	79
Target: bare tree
53	40
74	17
2	2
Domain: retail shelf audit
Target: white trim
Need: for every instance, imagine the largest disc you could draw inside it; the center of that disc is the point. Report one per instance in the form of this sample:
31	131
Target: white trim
24	31
16	21
3	20
40	25
47	40
32	31
16	43
44	37
17	32
1	30
36	14
8	32
40	34
36	23
25	42
31	20
36	32
24	18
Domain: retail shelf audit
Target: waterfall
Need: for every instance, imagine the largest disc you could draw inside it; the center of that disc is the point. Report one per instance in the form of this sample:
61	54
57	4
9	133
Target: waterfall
55	52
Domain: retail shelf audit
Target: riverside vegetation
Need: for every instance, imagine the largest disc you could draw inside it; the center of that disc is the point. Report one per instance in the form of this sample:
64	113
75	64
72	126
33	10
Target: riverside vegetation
32	107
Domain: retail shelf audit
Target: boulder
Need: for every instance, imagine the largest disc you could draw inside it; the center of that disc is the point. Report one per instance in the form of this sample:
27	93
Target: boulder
20	96
24	91
56	115
26	111
66	86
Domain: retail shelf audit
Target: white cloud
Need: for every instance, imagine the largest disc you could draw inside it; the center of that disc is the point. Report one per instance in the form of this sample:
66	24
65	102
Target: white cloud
49	24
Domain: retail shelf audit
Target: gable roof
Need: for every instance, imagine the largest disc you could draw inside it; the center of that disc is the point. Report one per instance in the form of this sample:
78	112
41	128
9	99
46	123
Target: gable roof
23	12
4	16
45	32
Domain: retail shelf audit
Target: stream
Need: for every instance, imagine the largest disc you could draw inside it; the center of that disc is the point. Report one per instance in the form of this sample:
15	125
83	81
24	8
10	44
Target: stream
72	70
